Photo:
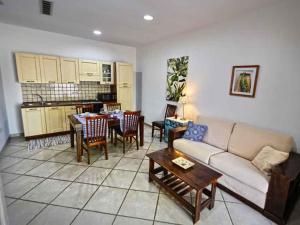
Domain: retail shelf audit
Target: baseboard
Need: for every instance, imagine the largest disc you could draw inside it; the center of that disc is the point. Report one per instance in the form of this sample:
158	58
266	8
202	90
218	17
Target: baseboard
16	135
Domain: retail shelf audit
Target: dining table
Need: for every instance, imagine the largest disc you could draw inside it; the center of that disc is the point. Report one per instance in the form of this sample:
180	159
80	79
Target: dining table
76	130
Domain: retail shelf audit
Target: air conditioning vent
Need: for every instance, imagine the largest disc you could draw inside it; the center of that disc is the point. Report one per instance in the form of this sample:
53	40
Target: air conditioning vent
46	7
1	2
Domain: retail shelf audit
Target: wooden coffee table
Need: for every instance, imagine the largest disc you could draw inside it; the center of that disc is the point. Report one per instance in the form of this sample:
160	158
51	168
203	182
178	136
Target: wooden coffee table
178	181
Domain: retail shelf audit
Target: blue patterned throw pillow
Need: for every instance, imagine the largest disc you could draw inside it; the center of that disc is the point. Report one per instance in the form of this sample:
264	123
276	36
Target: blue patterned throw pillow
195	132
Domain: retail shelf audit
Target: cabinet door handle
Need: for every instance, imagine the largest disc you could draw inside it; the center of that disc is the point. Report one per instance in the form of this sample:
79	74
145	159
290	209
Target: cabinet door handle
51	82
29	81
70	82
90	74
54	108
32	109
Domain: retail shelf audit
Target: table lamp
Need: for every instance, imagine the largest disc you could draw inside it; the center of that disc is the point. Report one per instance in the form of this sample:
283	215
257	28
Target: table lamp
183	100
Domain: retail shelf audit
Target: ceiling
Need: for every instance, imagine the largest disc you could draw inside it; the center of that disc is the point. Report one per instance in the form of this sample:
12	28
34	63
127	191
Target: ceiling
121	21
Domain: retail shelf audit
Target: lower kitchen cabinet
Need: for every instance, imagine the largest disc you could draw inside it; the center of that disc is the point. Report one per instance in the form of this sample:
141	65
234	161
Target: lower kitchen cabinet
69	110
34	121
55	119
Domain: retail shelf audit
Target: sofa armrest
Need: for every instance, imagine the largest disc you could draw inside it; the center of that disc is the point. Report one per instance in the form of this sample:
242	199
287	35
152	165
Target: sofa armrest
174	134
283	188
289	168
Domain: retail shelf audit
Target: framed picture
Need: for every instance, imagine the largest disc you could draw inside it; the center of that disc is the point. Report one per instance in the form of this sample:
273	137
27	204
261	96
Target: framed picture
176	78
244	80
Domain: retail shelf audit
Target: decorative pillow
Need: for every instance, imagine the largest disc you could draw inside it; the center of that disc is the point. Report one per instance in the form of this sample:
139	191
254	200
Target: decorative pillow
267	158
195	132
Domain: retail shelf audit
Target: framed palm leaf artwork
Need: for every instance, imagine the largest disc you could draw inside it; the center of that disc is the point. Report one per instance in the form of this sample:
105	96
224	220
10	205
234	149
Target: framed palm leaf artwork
244	80
176	78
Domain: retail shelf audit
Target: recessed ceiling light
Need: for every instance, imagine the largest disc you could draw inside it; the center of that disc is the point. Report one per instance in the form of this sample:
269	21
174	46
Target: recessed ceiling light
97	32
148	17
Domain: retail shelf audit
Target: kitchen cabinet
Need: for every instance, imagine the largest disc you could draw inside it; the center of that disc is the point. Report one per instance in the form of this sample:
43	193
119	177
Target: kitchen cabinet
124	74
69	70
34	122
28	68
89	70
55	119
50	69
107	74
69	110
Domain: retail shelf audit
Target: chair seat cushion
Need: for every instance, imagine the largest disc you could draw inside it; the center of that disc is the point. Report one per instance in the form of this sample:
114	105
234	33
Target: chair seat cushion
159	124
240	169
197	150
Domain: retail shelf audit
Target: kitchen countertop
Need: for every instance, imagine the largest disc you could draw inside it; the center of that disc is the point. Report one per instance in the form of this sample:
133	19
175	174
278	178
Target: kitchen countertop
63	103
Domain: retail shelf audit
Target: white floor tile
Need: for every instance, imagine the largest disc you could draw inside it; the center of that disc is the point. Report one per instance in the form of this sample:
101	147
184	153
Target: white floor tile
93	218
119	178
93	175
107	200
129	164
69	172
21	212
141	183
55	215
120	220
23	166
139	204
76	195
46	169
46	191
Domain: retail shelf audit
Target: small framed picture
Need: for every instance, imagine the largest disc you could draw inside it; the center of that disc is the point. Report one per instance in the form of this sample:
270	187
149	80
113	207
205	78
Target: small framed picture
244	80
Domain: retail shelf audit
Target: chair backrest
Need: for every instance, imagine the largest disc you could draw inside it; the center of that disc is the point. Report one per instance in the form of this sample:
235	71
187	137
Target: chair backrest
84	108
113	106
96	129
131	122
170	110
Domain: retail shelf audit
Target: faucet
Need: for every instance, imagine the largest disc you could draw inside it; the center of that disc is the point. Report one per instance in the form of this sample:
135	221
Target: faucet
42	100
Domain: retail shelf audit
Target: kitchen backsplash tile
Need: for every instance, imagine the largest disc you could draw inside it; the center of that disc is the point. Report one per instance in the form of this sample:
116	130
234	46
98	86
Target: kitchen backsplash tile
63	92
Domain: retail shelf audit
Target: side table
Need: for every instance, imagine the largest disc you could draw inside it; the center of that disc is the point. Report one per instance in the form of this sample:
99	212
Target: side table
170	123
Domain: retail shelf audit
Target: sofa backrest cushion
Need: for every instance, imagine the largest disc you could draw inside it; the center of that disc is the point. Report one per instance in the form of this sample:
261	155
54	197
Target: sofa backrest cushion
246	141
218	132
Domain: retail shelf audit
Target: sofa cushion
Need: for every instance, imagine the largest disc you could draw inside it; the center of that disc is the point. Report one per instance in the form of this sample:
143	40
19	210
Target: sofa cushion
240	169
197	150
267	158
195	132
218	132
246	141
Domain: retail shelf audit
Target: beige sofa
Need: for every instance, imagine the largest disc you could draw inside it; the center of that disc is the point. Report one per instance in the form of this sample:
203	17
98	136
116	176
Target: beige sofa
230	147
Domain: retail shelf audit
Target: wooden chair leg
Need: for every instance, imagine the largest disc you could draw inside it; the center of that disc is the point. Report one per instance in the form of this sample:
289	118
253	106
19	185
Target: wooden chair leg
123	145
105	151
137	142
130	140
160	135
116	135
152	130
88	153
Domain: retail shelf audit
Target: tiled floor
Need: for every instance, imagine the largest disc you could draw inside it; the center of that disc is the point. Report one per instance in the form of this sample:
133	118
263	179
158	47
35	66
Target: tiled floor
49	187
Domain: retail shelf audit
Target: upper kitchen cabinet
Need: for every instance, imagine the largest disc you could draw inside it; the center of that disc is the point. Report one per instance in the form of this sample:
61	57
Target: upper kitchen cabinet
124	74
89	70
28	68
69	70
50	69
107	75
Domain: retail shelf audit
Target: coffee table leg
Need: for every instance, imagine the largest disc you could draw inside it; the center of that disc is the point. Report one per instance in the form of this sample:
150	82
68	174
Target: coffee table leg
197	205
151	168
213	194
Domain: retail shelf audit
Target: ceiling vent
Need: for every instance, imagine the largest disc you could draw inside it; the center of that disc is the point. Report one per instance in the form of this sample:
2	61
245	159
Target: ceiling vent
1	2
46	7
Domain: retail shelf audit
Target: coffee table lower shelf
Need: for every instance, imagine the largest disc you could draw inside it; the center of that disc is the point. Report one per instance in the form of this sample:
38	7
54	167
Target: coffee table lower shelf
178	189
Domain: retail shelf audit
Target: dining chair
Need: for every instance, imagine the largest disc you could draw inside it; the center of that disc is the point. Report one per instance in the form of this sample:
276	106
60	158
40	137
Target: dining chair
160	125
95	134
128	128
113	106
84	108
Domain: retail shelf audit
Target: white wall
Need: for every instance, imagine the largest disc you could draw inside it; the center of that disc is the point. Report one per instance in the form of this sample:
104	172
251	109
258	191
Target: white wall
4	133
268	37
14	38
